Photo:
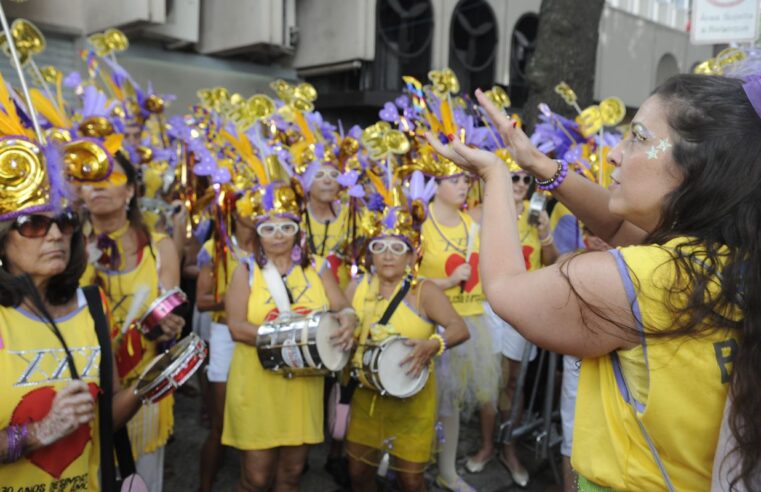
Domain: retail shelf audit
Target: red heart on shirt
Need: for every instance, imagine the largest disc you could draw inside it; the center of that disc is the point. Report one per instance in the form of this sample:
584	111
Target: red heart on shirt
126	362
456	260
527	250
275	312
334	263
54	459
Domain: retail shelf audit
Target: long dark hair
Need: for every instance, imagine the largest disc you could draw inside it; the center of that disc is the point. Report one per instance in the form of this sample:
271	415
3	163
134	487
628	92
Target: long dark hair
716	210
61	288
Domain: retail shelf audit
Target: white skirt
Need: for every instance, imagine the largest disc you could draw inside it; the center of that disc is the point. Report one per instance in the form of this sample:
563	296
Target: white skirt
221	347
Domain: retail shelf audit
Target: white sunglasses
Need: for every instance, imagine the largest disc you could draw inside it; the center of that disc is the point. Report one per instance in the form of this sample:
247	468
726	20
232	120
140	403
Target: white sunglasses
327	173
379	246
269	229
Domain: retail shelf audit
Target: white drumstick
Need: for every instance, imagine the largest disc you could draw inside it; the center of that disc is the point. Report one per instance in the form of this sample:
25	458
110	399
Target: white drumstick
138	298
471	241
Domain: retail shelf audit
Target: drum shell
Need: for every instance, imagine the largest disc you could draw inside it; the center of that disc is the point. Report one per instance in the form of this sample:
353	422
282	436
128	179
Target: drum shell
181	362
369	373
173	302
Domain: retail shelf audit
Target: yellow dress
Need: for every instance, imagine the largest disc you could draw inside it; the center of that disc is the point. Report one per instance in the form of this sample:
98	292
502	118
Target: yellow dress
326	242
680	387
224	275
150	428
403	427
263	409
530	243
32	369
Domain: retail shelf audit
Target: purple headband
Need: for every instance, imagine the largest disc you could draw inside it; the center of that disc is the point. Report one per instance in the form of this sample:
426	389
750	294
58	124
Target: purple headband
752	88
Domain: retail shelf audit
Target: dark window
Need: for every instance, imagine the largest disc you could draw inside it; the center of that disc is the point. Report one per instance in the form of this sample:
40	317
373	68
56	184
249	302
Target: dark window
473	44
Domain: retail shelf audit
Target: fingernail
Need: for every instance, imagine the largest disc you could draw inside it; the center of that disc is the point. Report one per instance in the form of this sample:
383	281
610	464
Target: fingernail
515	124
450	137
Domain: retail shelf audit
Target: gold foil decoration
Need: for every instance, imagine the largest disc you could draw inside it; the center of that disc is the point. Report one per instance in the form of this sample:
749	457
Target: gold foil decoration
23	181
28	39
155	104
716	65
569	96
86	160
108	42
96	127
499	97
299	98
214	99
381	141
610	112
444	82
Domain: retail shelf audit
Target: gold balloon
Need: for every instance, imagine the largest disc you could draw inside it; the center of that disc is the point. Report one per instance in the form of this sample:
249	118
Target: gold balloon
28	40
306	91
283	89
110	41
564	90
58	135
23	182
444	82
261	106
590	121
144	153
96	126
498	96
612	111
396	142
214	99
86	160
50	73
155	104
301	104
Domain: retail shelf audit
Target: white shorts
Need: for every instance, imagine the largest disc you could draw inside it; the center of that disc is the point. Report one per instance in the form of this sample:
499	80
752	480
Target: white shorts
512	343
221	346
571	366
202	324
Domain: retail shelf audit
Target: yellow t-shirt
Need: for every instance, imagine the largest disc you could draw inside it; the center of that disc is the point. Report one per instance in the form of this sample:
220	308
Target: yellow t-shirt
530	243
264	409
223	273
444	249
32	369
680	386
327	242
151	427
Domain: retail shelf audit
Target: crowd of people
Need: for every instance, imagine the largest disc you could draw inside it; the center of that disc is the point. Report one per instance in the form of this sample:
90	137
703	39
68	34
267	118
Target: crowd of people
374	287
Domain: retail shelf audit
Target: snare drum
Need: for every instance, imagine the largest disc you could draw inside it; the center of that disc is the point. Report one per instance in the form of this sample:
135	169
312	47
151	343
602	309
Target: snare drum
170	370
174	301
381	371
300	345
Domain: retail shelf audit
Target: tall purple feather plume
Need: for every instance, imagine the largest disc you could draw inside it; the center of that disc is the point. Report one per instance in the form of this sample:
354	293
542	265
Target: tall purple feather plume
59	188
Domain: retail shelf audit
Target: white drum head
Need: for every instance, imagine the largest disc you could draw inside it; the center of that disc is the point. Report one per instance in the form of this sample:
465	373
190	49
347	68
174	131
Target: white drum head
333	358
394	377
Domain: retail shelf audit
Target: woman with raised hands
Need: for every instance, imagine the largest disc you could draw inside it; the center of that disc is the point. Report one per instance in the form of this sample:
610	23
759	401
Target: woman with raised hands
665	327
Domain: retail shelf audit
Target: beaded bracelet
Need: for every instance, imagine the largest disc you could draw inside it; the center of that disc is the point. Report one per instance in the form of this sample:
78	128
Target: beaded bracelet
547	241
16	436
556	179
442	343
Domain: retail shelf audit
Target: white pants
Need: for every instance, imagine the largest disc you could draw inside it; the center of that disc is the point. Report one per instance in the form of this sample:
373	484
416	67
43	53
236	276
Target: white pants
150	467
571	366
221	346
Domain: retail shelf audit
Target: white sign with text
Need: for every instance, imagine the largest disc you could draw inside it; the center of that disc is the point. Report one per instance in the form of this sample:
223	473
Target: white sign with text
724	21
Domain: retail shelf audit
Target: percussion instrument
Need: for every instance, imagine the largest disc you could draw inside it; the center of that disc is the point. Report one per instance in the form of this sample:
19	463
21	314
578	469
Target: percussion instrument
170	370
174	301
381	371
536	206
300	345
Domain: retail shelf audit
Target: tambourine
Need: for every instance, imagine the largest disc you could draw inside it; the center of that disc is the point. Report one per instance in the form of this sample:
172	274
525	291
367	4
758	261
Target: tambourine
174	301
170	370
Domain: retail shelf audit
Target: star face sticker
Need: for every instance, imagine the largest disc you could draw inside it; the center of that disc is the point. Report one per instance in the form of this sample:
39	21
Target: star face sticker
664	144
652	153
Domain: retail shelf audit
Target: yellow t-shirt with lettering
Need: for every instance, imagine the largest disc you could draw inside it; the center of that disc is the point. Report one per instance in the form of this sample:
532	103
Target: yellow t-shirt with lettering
326	241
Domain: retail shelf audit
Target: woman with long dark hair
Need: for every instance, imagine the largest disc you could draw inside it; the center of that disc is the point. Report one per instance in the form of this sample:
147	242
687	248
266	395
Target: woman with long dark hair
133	267
666	329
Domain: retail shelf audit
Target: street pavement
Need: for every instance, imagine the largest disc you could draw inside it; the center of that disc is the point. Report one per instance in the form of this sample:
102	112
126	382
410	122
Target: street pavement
183	451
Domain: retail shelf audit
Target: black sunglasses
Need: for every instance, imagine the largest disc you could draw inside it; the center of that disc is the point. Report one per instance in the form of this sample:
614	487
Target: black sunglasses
36	226
526	179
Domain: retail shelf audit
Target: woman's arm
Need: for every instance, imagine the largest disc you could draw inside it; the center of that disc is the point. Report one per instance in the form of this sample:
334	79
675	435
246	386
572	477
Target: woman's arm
549	250
205	300
236	307
125	403
347	318
169	270
586	200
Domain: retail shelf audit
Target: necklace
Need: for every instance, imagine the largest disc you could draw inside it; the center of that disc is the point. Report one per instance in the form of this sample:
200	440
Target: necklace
445	238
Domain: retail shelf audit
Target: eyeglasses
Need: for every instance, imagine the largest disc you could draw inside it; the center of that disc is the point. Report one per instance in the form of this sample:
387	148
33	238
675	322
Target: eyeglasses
380	246
269	229
327	173
526	179
36	226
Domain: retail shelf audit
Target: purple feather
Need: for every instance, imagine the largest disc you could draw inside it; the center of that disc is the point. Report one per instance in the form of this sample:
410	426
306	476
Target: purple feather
269	197
390	218
72	80
59	189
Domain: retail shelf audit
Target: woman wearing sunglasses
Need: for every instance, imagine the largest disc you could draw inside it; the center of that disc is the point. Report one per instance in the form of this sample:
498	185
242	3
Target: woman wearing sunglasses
133	267
213	279
402	427
273	419
325	219
50	355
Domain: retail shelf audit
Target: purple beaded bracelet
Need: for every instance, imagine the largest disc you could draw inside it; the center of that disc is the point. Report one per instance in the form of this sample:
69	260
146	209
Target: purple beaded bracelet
16	436
556	180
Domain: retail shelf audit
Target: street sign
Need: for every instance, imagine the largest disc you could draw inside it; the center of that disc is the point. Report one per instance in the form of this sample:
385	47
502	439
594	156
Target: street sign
724	21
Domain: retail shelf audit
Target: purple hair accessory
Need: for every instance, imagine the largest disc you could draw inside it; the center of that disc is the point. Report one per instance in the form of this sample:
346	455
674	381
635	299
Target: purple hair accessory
58	187
390	218
375	202
752	88
72	80
389	113
221	175
307	178
356	191
348	179
296	254
403	101
355	132
269	197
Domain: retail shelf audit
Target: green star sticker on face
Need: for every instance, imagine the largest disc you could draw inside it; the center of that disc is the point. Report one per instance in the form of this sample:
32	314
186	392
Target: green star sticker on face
652	153
664	144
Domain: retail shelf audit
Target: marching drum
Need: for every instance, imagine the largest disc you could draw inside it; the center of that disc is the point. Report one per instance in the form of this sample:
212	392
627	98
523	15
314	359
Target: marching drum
300	345
174	301
381	371
171	369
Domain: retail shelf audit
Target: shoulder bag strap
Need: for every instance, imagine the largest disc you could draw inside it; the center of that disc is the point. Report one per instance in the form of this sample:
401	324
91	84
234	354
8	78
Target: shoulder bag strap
108	438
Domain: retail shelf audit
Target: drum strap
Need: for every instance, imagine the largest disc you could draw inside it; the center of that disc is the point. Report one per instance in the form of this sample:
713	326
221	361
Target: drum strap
108	438
348	391
277	288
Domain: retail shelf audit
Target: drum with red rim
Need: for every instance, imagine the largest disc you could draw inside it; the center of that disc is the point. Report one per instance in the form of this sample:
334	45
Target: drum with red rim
174	301
170	370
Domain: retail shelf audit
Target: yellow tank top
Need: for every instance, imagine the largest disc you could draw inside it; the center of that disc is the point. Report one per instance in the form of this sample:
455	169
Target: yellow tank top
406	320
153	424
530	243
444	249
32	368
679	387
326	242
224	275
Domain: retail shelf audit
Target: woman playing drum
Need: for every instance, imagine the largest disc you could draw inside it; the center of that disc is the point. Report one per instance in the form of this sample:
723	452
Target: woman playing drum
274	419
402	427
133	267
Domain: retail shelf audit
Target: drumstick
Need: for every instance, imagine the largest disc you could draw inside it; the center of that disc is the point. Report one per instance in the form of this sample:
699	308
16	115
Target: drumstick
138	298
469	251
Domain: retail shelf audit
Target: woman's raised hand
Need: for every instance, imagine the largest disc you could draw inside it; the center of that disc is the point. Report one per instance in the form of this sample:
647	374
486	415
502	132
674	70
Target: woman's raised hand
477	161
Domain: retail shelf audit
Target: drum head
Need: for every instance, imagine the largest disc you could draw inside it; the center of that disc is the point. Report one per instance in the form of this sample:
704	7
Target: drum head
394	378
333	358
165	362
